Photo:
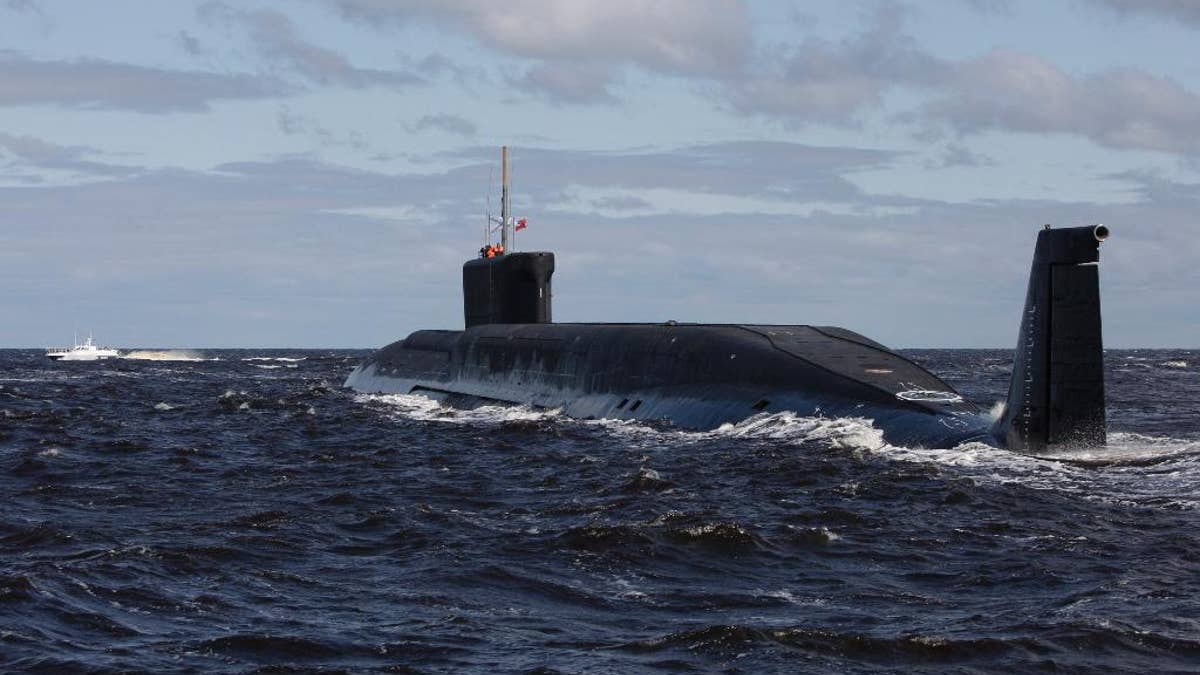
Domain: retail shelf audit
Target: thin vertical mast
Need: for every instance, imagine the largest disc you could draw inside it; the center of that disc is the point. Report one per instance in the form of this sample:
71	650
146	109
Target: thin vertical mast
504	197
487	212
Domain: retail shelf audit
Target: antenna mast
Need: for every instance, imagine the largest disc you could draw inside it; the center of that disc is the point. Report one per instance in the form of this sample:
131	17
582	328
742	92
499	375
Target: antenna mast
504	197
487	212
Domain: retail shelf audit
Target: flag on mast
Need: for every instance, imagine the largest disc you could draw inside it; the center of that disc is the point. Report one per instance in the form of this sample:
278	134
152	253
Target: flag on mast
520	225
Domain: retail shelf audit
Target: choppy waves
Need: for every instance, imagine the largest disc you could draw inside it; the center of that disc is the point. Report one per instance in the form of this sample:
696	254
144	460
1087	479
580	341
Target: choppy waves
217	516
1115	472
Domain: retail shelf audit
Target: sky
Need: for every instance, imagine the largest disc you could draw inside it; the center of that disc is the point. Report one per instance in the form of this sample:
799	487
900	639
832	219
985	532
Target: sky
313	173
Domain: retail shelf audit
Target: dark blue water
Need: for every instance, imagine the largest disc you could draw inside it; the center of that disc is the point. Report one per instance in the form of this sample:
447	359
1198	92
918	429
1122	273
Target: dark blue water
249	515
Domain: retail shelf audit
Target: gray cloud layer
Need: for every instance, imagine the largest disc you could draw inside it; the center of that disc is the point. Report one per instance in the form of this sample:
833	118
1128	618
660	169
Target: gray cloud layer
452	124
38	154
338	256
763	169
574	52
91	83
579	47
292	248
1123	108
1187	11
1002	91
274	35
21	6
818	81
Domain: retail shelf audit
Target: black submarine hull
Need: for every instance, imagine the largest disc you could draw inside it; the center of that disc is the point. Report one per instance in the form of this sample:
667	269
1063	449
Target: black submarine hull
693	376
701	376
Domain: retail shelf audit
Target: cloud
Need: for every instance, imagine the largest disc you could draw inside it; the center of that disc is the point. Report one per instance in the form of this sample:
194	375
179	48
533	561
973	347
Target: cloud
97	84
595	38
1150	187
290	123
1120	108
819	81
577	52
304	252
439	65
568	82
268	255
38	154
452	124
274	36
1187	11
189	43
837	84
21	6
1001	7
763	169
36	150
621	203
957	154
294	124
298	251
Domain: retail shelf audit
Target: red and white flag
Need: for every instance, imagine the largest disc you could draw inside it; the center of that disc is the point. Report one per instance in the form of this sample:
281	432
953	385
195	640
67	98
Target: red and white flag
520	225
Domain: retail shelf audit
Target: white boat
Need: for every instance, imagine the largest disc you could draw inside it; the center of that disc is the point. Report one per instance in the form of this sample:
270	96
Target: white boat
87	351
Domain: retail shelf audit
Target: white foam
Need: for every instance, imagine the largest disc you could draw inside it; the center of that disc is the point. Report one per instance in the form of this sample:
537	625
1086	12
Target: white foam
275	358
997	410
166	355
423	409
785	427
789	597
1132	470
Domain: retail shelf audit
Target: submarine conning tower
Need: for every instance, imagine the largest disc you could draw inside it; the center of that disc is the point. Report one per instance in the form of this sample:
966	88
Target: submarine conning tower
502	286
509	288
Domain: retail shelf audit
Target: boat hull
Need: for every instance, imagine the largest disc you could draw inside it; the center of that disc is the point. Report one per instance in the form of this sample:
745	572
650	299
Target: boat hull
73	355
83	355
694	376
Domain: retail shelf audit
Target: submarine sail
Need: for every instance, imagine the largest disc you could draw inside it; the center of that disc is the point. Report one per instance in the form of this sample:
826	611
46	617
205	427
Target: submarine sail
700	376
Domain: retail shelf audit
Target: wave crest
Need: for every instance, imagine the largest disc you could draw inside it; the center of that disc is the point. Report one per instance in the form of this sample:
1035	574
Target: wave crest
166	355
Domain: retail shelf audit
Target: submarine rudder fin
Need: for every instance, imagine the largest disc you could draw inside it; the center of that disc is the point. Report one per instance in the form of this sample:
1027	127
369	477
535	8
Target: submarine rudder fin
1056	395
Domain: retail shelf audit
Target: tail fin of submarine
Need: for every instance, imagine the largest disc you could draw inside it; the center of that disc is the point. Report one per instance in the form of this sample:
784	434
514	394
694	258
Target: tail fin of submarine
1056	396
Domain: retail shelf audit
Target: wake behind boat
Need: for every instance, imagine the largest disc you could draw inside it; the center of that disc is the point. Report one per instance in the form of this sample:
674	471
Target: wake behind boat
88	351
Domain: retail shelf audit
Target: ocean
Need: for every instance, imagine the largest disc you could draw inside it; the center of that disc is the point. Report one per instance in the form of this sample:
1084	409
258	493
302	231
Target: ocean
238	511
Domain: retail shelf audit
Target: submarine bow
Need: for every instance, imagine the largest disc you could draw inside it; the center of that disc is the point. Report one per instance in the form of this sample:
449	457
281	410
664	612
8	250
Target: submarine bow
701	376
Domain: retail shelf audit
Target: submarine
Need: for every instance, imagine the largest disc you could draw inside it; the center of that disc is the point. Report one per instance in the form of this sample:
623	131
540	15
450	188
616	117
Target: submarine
701	376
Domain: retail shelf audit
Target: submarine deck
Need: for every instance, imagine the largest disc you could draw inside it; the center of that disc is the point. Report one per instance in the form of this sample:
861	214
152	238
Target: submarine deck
696	376
621	357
